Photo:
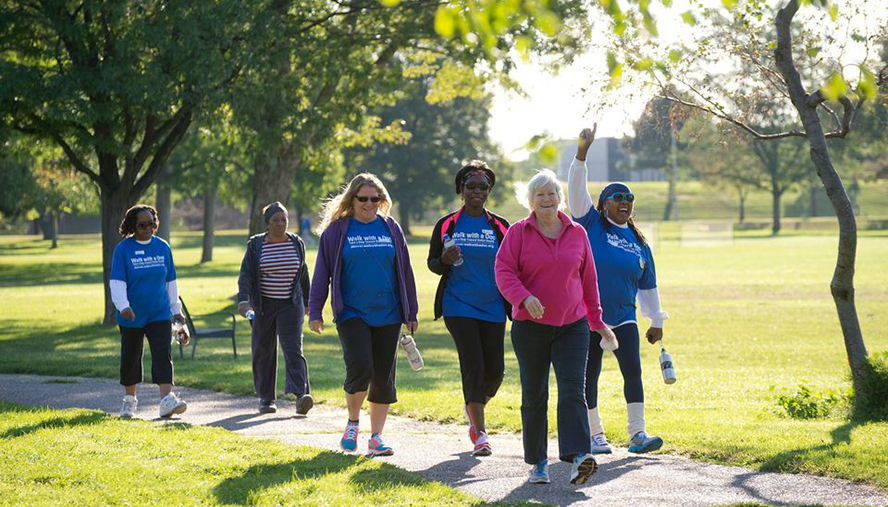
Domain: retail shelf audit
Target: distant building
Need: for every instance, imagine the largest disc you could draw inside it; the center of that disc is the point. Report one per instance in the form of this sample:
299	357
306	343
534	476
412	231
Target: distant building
607	161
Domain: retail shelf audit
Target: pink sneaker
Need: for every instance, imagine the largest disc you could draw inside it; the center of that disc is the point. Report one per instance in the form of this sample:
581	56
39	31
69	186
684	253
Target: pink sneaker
376	447
473	435
482	445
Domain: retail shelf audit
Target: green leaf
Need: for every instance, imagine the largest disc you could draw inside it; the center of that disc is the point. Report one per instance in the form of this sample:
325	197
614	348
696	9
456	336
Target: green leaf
674	56
689	18
643	64
813	52
833	11
389	3
549	154
729	4
835	88
444	22
614	69
523	44
867	85
549	23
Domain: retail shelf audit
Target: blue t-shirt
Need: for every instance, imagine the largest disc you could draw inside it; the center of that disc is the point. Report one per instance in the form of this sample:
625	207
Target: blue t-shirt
623	264
471	287
369	284
146	269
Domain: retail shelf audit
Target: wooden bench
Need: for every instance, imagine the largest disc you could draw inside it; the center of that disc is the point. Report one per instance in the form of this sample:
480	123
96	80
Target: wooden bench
200	334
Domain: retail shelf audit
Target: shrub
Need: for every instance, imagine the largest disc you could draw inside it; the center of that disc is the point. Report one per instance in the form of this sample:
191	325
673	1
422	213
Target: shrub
872	403
806	403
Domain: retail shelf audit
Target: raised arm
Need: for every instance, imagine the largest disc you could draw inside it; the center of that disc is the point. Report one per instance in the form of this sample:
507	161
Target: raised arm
578	198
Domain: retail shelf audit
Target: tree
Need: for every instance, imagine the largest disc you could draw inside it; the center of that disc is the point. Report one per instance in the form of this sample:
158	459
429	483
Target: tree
116	85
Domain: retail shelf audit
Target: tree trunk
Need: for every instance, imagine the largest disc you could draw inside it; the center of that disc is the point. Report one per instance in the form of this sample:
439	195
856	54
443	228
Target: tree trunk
671	211
742	205
114	205
776	193
271	182
162	202
812	200
209	223
404	216
842	285
54	228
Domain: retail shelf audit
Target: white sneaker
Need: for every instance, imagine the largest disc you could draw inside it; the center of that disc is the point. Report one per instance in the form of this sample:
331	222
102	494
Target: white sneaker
171	404
129	406
600	445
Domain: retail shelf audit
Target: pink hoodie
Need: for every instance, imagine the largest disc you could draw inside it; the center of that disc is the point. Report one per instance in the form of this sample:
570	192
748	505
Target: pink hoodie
559	272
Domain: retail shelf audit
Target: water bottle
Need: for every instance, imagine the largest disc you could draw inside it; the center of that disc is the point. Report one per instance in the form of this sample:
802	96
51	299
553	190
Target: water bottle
608	345
179	334
250	315
666	365
413	355
448	242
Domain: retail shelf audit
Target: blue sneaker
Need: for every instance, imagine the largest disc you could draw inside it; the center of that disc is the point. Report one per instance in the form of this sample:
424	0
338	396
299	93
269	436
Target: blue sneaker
539	474
642	443
584	465
600	445
349	442
376	447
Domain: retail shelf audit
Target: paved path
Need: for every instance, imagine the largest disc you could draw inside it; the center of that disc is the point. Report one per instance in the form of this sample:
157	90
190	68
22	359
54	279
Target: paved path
440	452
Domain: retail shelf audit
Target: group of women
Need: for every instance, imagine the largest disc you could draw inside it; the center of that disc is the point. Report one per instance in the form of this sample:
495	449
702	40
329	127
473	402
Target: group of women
568	285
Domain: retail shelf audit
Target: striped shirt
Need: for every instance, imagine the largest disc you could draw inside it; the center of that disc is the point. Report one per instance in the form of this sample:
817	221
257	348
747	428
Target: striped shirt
278	265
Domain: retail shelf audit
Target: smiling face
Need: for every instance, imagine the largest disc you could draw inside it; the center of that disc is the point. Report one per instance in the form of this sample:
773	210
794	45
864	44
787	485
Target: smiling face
619	212
145	226
475	191
545	201
366	211
277	226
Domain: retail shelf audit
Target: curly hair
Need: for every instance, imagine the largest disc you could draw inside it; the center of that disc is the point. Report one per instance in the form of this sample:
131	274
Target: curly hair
128	224
471	168
342	205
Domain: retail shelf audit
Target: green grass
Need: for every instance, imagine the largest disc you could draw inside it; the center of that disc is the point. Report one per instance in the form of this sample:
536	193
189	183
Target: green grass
745	317
85	457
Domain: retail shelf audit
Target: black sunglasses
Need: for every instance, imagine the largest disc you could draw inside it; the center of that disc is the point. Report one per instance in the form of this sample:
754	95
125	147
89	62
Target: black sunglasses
482	187
362	198
146	225
622	196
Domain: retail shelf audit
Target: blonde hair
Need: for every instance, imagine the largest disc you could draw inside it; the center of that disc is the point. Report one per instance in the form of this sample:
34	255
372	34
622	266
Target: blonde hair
342	205
524	191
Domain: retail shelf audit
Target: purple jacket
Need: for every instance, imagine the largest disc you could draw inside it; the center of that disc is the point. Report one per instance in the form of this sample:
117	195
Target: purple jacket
328	266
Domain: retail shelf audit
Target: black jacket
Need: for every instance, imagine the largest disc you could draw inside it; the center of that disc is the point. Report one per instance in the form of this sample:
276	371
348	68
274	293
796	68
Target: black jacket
248	281
446	225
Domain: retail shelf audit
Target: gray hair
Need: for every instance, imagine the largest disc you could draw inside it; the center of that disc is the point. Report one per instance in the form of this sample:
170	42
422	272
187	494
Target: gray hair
524	191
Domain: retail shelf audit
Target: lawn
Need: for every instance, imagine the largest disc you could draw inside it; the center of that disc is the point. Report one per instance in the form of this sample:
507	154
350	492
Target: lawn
744	317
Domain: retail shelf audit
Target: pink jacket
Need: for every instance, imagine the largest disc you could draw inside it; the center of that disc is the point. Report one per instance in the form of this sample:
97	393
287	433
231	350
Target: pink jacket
560	273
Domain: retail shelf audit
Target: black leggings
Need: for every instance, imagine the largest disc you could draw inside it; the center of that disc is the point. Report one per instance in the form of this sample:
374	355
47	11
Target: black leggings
629	359
159	335
480	347
371	357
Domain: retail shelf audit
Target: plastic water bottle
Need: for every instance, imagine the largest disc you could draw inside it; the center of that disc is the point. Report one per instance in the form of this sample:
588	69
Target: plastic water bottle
250	315
413	355
449	242
608	345
666	366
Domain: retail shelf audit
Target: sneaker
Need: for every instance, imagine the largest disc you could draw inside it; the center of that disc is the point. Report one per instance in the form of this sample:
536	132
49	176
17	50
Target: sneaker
171	404
584	465
349	442
539	474
376	447
642	443
473	435
267	407
304	404
482	445
129	406
600	445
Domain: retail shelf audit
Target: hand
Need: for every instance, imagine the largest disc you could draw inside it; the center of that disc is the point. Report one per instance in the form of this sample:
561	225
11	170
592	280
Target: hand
316	325
451	255
412	326
534	307
128	313
184	337
585	141
607	334
243	307
654	334
179	318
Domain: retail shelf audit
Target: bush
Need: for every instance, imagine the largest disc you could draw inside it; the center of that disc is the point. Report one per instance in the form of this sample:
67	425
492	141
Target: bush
872	404
807	404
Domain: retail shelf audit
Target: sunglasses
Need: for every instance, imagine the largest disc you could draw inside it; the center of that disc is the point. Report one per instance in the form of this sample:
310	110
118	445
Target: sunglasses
482	187
146	225
362	198
622	196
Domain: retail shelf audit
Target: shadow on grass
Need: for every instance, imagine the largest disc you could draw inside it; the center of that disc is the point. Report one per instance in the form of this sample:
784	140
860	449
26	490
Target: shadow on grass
54	422
240	490
789	461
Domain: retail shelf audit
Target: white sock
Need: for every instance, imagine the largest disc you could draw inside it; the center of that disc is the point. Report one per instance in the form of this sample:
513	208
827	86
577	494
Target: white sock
595	426
635	416
129	397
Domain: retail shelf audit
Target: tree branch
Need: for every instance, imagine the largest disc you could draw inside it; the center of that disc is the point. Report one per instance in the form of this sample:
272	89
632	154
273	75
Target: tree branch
162	153
728	118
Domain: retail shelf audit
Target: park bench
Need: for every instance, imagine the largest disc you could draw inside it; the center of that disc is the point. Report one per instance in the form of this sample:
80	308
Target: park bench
200	334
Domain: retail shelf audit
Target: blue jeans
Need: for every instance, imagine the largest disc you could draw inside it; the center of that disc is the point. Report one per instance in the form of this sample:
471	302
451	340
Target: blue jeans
566	349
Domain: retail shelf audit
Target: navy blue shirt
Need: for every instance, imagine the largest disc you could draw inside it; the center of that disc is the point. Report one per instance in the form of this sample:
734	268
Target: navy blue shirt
471	287
369	284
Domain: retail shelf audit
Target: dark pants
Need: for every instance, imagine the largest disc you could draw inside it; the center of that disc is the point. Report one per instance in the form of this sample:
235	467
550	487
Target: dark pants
629	359
279	320
159	335
480	347
565	348
371	357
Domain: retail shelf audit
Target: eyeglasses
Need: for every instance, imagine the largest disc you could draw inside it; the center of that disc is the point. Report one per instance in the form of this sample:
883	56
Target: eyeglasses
146	225
622	196
363	198
482	187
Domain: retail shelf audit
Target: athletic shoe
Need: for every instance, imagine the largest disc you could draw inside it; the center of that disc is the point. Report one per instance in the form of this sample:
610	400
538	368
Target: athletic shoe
539	474
482	445
642	443
584	465
267	407
376	447
349	442
129	406
473	435
171	404
600	445
304	404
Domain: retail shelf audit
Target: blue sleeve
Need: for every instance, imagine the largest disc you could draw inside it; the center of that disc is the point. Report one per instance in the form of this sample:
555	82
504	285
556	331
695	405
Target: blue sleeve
648	278
170	265
118	263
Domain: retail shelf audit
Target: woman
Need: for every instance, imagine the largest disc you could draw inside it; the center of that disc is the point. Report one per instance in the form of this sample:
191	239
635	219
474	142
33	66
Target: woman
626	264
363	258
473	309
146	295
545	269
273	284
